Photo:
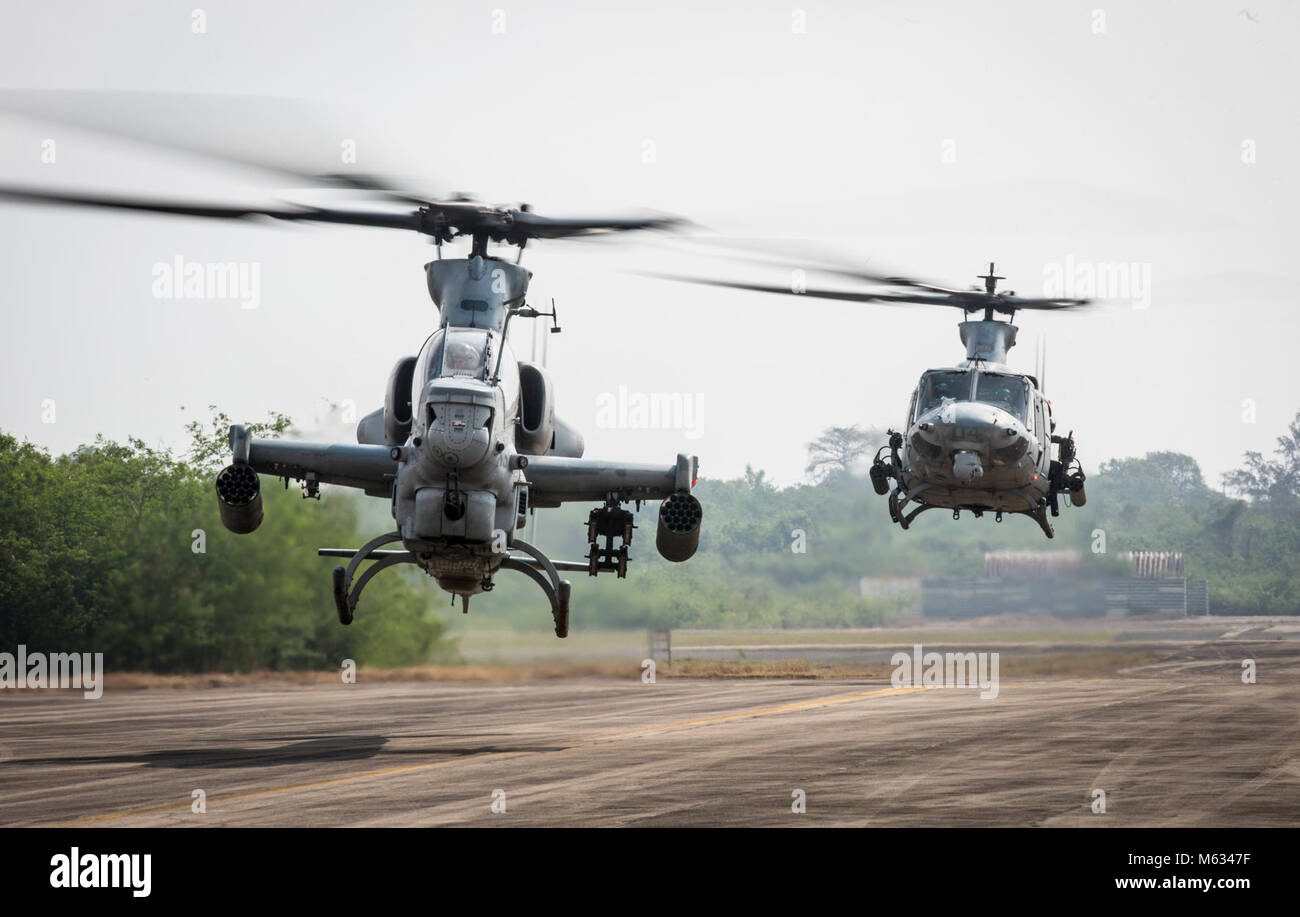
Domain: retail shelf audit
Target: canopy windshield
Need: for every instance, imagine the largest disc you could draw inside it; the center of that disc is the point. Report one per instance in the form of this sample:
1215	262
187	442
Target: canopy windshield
945	383
464	353
1008	392
470	354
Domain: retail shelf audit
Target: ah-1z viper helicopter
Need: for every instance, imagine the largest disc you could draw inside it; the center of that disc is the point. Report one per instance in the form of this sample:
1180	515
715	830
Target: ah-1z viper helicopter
467	442
979	436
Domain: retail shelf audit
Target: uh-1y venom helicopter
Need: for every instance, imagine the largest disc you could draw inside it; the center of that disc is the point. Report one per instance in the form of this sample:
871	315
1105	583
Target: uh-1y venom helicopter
467	442
979	435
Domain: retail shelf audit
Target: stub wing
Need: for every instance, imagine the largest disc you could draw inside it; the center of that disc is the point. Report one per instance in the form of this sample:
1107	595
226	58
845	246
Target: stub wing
369	468
554	480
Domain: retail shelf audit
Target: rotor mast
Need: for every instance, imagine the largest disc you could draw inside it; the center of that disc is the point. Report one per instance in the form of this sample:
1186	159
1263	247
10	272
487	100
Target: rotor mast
988	340
991	288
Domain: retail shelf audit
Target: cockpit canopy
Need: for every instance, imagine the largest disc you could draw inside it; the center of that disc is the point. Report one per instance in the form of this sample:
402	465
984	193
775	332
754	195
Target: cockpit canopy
1002	390
463	353
470	354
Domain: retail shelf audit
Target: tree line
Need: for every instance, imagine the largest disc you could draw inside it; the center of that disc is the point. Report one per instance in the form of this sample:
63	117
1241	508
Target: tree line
117	547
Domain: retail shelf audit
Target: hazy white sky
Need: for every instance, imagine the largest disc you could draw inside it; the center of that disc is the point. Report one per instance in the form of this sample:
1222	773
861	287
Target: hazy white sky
929	138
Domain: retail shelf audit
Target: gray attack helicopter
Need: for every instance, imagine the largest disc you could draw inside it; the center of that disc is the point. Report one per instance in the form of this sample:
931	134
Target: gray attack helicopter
979	436
467	442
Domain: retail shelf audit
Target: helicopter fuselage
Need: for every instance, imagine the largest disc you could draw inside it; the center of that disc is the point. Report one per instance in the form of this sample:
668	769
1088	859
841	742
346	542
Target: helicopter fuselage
962	453
979	437
448	447
459	493
466	445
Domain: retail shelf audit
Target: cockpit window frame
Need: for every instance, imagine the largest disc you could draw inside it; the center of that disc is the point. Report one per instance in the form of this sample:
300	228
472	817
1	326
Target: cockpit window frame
482	372
1021	413
924	402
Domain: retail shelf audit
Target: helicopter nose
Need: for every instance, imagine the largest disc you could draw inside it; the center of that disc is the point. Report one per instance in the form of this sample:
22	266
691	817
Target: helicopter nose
956	423
459	437
458	427
972	436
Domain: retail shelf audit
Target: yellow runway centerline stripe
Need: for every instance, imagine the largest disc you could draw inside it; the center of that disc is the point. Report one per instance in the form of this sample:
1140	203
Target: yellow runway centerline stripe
575	743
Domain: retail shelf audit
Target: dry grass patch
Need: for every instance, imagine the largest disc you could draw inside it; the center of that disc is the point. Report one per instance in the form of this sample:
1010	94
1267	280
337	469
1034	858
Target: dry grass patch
1011	665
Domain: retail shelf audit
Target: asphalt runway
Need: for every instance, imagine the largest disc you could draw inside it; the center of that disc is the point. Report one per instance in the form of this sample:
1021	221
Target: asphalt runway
1181	742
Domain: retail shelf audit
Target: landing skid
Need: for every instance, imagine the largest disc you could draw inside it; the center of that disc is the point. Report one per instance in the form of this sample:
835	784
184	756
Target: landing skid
543	571
1039	515
346	592
896	510
904	520
535	565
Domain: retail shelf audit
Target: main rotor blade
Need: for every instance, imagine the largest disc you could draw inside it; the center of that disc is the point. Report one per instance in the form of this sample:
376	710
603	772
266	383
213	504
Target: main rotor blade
413	220
840	295
216	126
969	300
892	280
185	122
977	301
542	227
1002	302
440	220
819	263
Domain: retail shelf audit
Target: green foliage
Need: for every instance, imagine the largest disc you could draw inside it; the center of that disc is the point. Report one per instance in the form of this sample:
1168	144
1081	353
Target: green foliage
210	447
748	573
98	549
841	450
1275	483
